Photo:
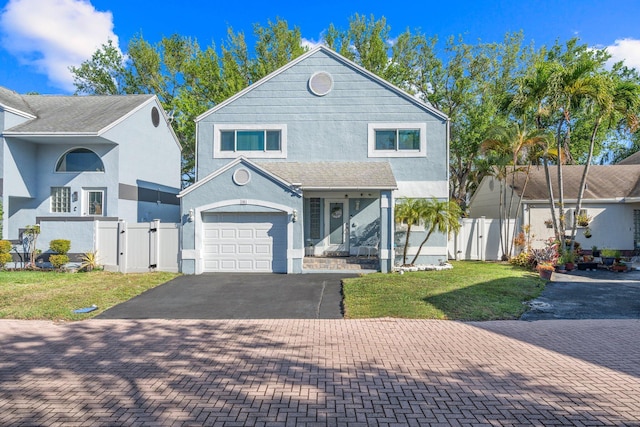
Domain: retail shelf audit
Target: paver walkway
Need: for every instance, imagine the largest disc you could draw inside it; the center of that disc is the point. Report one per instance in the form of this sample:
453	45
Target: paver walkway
319	372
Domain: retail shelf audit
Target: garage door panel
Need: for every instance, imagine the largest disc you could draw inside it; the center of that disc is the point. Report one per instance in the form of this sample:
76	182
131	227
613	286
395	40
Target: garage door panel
245	234
245	242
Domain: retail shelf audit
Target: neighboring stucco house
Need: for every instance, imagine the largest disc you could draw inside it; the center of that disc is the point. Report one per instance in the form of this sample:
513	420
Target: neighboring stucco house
309	161
68	161
611	200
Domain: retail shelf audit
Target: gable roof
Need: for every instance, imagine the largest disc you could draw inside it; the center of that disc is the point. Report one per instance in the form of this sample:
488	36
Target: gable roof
603	182
230	165
340	59
76	115
335	175
633	159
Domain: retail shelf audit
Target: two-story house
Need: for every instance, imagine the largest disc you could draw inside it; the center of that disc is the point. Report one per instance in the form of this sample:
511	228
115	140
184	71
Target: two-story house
309	161
68	161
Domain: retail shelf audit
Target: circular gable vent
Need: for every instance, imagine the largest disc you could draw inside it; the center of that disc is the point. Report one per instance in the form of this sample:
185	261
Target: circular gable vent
321	83
241	177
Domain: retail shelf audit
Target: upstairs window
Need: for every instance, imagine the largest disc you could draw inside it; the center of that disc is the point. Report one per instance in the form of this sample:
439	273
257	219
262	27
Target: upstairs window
80	160
250	140
254	141
397	140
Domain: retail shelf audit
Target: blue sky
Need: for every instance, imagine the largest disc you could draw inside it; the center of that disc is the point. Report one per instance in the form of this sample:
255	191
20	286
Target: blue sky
40	39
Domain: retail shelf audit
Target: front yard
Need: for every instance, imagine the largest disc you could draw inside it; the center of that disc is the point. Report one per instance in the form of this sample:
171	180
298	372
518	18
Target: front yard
470	291
54	295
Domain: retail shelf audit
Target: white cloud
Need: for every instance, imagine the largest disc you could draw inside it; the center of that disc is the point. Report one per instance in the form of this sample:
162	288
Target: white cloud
627	50
310	44
52	35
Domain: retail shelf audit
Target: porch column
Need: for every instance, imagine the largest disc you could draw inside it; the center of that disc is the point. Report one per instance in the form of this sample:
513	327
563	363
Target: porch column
386	251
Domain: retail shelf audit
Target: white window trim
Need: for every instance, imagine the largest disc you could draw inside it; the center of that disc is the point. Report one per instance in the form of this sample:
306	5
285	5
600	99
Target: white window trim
372	127
219	154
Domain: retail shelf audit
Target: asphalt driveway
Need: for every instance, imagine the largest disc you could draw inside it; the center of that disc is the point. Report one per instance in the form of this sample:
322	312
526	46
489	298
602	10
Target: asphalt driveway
588	295
238	296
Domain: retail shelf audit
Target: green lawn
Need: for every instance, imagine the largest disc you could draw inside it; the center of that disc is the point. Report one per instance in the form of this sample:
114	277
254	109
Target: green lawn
470	291
54	295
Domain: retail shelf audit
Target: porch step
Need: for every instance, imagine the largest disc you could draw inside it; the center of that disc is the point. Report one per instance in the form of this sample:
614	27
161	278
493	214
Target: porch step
340	263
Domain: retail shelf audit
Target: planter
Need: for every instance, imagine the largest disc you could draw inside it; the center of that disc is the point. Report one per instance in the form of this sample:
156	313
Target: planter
569	266
619	268
545	274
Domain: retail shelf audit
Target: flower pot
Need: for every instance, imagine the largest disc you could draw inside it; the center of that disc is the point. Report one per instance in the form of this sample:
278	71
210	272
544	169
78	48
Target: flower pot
545	274
569	266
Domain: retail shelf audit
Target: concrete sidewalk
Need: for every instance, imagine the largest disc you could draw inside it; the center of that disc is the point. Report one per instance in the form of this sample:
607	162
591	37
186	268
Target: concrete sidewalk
319	372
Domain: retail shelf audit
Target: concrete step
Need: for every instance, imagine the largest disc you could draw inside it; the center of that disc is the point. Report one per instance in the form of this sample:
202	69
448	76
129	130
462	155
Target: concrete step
340	263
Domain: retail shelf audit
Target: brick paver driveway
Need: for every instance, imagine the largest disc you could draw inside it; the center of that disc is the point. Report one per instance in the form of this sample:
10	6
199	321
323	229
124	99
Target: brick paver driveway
319	372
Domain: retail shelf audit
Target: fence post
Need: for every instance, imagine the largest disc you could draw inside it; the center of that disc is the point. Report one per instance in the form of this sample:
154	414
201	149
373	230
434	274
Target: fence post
154	244
122	246
481	239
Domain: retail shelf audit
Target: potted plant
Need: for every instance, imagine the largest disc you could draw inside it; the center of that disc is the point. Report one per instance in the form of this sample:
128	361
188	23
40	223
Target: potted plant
583	220
609	256
545	270
587	233
548	223
595	251
568	259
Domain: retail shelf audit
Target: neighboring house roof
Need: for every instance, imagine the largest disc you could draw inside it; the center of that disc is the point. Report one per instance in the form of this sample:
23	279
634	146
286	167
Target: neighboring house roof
603	182
334	175
12	101
344	61
76	115
633	159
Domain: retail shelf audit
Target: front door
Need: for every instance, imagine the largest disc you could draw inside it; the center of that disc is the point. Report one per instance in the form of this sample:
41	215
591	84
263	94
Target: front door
337	226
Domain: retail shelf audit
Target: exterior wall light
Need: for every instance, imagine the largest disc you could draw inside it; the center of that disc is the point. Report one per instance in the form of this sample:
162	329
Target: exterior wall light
294	215
192	215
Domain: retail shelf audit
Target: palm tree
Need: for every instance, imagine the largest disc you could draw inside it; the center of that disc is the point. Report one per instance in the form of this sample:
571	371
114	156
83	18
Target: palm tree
510	149
614	102
442	216
408	211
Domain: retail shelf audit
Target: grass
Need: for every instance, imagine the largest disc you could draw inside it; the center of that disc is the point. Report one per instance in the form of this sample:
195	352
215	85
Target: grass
470	291
54	295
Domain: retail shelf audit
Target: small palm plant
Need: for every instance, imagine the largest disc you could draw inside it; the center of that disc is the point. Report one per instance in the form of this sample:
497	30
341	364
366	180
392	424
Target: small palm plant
89	261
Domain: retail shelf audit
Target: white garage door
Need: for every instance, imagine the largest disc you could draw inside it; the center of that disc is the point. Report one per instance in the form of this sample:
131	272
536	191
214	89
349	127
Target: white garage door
245	242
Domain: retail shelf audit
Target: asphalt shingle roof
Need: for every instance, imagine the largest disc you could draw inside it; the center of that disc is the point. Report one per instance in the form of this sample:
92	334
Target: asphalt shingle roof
72	114
11	99
334	175
633	159
603	182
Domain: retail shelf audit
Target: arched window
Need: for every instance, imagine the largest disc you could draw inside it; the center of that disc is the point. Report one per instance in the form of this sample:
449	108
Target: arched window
80	160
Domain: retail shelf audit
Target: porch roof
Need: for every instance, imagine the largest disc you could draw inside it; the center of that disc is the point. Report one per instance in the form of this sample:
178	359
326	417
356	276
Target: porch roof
334	175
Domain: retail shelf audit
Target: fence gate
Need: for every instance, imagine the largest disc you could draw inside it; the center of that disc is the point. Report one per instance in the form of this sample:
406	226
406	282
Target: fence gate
479	239
138	247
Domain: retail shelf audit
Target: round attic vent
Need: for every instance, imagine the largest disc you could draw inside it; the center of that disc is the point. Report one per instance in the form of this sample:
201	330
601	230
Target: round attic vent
321	83
241	177
155	116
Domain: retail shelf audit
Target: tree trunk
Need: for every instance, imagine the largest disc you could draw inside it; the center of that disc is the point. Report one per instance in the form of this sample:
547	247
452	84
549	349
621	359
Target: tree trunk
583	180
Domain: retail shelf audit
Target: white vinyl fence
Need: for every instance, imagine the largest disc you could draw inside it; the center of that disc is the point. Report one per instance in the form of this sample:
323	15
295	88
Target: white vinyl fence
478	239
138	247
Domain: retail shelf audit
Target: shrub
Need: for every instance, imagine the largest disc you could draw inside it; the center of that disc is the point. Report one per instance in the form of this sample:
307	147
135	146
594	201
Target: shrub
60	246
89	261
523	259
58	261
5	246
4	259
